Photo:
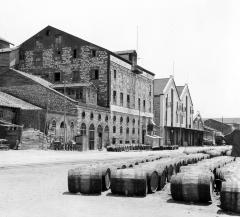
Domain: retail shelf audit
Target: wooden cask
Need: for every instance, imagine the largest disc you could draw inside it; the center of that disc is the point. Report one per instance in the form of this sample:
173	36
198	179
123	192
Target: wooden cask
192	187
73	181
230	196
129	182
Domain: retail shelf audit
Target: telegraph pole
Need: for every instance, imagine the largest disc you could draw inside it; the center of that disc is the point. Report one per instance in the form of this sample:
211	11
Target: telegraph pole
64	135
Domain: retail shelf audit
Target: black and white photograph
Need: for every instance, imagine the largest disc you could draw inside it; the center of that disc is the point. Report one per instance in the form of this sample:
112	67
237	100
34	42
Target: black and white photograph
120	108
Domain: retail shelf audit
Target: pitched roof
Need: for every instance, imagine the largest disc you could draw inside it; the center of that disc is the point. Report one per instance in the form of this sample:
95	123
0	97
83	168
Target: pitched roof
159	85
2	39
180	89
42	82
7	100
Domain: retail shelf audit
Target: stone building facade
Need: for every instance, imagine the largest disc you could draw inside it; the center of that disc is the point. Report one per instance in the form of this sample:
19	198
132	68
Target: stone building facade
100	82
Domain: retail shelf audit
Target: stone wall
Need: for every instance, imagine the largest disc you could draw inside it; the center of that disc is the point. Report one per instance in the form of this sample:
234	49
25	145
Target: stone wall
41	55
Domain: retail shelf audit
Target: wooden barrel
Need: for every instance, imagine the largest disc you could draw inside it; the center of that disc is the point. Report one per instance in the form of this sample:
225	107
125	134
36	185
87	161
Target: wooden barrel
73	181
230	196
192	187
152	177
129	182
89	180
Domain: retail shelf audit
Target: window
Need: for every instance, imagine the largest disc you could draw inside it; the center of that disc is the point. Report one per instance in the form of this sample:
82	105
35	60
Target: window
133	121
53	123
127	120
48	32
150	90
99	117
83	129
139	103
58	39
22	55
57	76
144	105
121	99
94	75
114	118
121	130
94	53
114	129
115	73
121	119
133	141
127	131
133	130
113	141
83	115
91	116
150	106
114	96
75	76
106	118
74	53
120	141
79	94
128	101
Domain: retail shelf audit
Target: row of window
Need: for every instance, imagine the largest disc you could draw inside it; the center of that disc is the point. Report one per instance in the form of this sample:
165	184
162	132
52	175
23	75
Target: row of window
121	130
121	141
92	116
127	120
128	101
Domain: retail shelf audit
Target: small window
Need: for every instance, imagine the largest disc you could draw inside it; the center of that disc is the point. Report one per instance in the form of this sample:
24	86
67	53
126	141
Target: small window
83	115
127	120
75	76
48	32
113	141
91	116
94	53
74	53
114	96
121	130
133	121
58	39
121	119
115	73
133	130
120	141
99	117
57	76
144	105
114	129
128	101
106	118
121	99
114	118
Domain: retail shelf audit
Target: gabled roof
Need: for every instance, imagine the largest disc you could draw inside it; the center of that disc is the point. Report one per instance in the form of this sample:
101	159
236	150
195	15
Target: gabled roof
7	100
159	85
180	89
77	38
2	39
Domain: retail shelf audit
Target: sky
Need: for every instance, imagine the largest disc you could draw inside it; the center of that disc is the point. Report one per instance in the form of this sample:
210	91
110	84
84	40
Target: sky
197	41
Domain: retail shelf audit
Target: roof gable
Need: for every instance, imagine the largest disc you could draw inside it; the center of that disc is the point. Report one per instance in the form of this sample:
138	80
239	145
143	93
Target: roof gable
159	85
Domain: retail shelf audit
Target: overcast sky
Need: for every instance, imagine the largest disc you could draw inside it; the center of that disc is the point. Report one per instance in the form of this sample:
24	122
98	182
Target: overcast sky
202	38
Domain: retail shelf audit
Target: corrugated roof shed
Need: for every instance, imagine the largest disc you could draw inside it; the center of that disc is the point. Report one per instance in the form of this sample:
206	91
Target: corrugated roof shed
7	100
159	85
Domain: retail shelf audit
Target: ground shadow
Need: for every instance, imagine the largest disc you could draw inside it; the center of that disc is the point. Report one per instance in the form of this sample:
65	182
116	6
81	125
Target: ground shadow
223	212
77	194
117	195
189	203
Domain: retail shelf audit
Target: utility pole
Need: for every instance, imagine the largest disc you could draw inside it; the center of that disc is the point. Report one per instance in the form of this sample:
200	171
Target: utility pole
64	135
139	116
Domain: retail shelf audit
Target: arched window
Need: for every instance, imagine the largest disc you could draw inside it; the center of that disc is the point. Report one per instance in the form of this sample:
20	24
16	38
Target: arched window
99	117
83	129
114	129
121	130
54	125
91	136
133	130
127	130
106	118
62	129
83	114
133	121
72	130
127	120
91	116
121	119
114	118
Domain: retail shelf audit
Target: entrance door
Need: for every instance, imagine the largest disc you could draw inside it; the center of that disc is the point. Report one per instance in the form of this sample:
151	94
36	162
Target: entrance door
143	136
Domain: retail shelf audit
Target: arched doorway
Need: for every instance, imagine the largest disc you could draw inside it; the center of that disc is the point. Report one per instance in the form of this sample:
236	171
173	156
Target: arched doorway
72	130
106	140
100	135
91	137
63	131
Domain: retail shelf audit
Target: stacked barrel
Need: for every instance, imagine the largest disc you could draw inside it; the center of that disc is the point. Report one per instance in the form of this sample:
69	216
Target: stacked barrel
229	176
194	183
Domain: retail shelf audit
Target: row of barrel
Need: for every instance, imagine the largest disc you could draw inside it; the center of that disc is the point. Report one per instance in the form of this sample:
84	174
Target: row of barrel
195	183
229	177
133	177
127	147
